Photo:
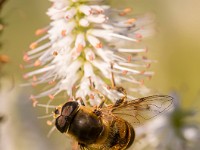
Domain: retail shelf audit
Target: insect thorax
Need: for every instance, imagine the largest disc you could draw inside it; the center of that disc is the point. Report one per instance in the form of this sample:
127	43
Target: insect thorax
85	127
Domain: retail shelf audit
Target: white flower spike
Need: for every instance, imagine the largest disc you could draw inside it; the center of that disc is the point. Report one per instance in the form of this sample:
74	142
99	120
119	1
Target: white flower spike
82	40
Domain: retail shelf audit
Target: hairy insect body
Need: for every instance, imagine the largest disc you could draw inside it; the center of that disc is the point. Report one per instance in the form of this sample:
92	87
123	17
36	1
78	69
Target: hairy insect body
86	127
108	128
107	132
120	134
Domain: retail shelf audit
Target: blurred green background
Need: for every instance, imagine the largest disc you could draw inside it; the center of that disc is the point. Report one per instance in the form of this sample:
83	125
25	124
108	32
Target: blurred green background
176	47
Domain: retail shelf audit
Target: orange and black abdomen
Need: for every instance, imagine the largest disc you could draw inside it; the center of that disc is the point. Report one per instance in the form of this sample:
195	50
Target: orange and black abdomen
107	132
121	134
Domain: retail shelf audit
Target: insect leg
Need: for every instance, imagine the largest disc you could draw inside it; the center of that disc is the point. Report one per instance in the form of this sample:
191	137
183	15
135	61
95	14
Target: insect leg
97	110
101	95
101	104
119	89
82	146
113	84
77	98
81	101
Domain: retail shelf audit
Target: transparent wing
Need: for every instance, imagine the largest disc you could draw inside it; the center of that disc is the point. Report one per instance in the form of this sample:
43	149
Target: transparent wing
140	110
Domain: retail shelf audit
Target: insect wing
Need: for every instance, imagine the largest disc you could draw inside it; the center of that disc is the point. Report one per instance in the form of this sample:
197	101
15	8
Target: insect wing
140	110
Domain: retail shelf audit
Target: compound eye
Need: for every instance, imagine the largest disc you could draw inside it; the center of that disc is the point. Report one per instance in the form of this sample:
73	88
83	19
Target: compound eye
63	121
61	124
68	108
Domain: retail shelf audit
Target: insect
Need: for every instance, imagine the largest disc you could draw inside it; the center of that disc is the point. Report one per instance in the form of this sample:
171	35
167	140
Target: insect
111	127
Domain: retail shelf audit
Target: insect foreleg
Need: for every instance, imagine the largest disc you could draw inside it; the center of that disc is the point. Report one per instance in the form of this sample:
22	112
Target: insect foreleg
81	101
101	95
82	146
118	89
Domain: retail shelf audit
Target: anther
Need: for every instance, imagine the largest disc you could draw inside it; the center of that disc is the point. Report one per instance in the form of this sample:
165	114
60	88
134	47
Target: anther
131	21
99	45
37	63
33	45
124	72
51	96
40	31
49	122
26	58
63	32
